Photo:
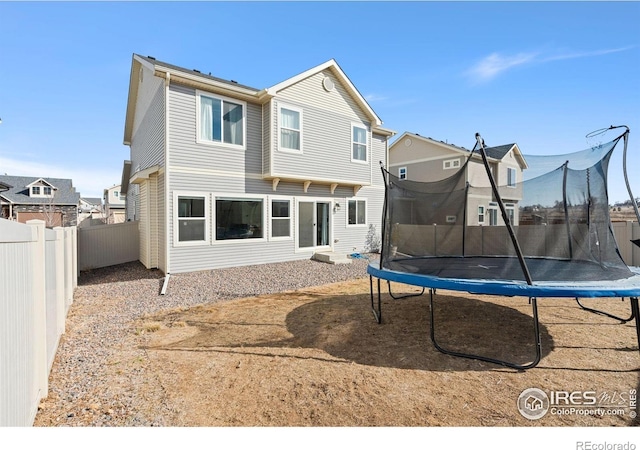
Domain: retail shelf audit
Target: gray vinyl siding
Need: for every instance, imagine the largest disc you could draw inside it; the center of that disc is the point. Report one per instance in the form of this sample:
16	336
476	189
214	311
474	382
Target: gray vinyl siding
187	152
216	170
147	142
326	132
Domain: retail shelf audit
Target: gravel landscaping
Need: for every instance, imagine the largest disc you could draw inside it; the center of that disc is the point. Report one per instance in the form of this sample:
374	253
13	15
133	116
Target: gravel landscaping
89	384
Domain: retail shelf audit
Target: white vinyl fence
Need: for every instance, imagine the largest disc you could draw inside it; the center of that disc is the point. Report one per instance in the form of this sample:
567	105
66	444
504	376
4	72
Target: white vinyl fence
38	273
108	245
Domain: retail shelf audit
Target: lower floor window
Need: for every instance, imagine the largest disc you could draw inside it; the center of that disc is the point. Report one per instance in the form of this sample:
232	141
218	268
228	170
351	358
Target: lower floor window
239	218
191	218
280	218
357	213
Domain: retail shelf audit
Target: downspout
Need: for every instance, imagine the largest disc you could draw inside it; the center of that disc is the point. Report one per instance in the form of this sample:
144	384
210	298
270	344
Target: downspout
167	248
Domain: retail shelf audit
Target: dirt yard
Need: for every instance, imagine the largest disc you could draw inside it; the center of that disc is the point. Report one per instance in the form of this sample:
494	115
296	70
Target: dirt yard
316	357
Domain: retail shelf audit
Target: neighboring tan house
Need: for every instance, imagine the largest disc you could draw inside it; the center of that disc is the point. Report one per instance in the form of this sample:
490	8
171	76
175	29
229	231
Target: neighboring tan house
53	200
222	174
90	205
114	205
418	158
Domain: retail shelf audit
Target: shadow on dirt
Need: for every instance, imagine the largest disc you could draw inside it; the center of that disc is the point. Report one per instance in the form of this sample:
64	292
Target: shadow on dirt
344	327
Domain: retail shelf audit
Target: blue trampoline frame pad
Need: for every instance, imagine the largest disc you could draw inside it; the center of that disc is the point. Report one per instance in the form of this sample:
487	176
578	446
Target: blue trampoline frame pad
628	287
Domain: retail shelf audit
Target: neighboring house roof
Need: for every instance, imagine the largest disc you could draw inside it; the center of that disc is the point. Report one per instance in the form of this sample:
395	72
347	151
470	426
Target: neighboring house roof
94	201
197	79
18	193
4	186
496	153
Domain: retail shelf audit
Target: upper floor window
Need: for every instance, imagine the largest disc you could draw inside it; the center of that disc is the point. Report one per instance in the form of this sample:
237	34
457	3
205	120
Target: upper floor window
116	194
46	190
290	128
511	177
402	173
221	120
35	190
358	143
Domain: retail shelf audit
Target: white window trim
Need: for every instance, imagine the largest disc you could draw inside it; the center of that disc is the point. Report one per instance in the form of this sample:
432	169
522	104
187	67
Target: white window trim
291	218
199	140
452	163
330	201
230	196
515	177
299	111
366	210
484	214
366	151
207	219
400	173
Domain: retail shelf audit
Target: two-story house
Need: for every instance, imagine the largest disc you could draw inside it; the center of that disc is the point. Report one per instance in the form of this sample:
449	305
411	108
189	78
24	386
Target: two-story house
53	200
222	174
418	158
114	204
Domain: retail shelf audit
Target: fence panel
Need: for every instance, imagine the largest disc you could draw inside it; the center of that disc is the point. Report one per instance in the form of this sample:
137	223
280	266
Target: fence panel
32	312
108	245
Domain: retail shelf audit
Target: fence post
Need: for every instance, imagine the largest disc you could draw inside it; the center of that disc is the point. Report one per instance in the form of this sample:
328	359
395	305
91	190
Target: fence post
74	255
59	268
68	269
40	309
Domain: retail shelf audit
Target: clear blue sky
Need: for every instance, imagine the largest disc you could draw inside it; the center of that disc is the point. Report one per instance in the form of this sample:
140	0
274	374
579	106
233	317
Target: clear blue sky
541	74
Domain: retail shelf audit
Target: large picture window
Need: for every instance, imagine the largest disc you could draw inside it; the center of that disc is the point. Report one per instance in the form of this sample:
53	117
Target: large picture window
239	218
359	143
221	120
357	212
290	129
192	218
280	218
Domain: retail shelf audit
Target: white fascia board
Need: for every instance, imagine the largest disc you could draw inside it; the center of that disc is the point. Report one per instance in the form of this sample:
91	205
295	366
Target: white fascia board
333	65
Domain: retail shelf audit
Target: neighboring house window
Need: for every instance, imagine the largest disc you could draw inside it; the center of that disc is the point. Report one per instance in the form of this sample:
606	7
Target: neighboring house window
280	218
357	213
511	212
46	190
493	214
35	190
116	194
402	173
221	120
359	143
239	218
511	177
192	218
480	214
451	163
290	128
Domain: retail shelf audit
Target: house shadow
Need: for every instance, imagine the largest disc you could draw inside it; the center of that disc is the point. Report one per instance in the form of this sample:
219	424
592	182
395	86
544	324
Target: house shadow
121	272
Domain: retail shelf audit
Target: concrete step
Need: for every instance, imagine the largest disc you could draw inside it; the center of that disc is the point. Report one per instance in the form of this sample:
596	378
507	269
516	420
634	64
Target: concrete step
331	257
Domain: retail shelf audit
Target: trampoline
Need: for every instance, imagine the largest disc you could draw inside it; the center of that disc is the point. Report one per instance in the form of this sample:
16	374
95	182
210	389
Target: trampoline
553	237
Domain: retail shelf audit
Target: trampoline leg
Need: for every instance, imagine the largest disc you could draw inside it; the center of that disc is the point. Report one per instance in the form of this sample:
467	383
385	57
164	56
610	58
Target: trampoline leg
602	313
376	313
538	343
635	312
402	296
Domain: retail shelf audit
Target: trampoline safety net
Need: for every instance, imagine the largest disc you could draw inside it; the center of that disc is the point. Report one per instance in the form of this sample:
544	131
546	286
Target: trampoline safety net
455	227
